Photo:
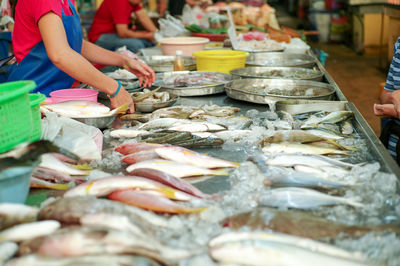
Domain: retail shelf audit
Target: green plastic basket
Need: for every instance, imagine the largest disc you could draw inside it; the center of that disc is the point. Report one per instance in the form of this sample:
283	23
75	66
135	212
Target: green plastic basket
15	113
36	99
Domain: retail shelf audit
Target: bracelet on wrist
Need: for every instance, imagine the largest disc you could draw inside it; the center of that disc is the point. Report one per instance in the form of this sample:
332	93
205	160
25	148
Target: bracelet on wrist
116	92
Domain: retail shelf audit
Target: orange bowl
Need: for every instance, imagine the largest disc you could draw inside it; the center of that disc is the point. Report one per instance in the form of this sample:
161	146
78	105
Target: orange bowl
188	45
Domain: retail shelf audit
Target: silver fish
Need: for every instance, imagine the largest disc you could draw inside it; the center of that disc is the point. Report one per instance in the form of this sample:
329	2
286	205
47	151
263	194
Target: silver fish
317	161
300	148
347	128
302	198
29	230
7	251
160	123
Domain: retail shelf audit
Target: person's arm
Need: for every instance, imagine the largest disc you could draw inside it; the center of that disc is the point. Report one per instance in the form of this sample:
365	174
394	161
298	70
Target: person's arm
146	21
123	31
162	7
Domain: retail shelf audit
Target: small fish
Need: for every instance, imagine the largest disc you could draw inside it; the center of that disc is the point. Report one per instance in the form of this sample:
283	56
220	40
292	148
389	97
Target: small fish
183	155
331	118
29	230
170	138
129	148
78	109
140	157
160	123
39	183
148	201
201	143
300	148
176	169
300	136
51	162
197	127
317	161
301	198
347	128
127	133
14	213
52	175
107	185
7	251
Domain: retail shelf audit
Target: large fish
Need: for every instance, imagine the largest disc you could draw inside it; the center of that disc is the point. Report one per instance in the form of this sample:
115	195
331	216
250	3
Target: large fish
298	224
79	109
176	169
127	133
259	248
151	202
183	155
140	156
160	123
300	136
302	198
129	148
197	127
171	181
316	161
14	213
51	162
52	175
104	186
300	148
29	230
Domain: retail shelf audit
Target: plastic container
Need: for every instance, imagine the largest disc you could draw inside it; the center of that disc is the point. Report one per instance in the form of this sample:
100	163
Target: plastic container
72	94
14	184
35	100
220	60
188	45
15	113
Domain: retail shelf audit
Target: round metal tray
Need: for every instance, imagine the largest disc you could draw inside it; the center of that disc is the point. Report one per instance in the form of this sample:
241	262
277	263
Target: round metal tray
253	90
147	107
259	73
281	60
99	122
195	90
165	63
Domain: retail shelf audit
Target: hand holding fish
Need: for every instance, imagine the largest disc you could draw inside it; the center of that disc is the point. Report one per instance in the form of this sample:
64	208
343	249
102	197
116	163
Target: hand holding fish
122	97
144	73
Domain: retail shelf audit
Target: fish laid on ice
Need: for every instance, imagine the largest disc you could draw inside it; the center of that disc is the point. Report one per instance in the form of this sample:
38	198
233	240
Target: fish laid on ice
151	202
160	123
39	183
107	185
183	155
172	137
29	230
316	161
346	128
129	148
95	260
51	162
196	127
259	248
300	136
232	134
71	210
78	109
324	171
14	213
331	118
140	157
176	169
171	181
7	251
324	134
300	148
127	133
298	224
302	198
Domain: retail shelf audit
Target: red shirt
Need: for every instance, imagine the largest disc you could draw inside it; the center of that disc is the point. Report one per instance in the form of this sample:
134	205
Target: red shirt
26	32
110	13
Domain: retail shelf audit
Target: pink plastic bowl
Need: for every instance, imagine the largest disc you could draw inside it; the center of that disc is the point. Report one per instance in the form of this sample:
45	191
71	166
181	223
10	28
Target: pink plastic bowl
188	45
72	94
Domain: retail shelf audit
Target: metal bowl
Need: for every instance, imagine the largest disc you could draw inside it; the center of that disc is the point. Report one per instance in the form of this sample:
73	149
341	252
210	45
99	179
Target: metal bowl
99	122
147	107
165	63
281	60
295	73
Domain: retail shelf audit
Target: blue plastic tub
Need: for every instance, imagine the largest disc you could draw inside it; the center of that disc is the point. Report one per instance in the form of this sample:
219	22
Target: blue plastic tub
14	184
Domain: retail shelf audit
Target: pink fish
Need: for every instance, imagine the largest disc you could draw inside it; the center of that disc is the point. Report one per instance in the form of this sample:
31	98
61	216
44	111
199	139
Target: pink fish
171	181
151	202
39	183
140	156
129	148
53	175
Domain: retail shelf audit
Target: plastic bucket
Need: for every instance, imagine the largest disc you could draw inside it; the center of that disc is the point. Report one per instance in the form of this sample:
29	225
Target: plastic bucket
220	60
35	100
72	94
188	45
15	113
14	184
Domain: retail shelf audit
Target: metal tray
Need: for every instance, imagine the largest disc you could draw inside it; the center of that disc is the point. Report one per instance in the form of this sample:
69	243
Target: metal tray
164	63
281	60
147	107
257	72
295	107
247	90
195	90
99	122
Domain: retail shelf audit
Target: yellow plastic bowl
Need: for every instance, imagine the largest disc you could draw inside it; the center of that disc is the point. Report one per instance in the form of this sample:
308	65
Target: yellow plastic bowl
220	60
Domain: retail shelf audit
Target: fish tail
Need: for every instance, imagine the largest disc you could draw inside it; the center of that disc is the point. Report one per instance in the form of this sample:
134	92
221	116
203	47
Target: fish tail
219	172
353	202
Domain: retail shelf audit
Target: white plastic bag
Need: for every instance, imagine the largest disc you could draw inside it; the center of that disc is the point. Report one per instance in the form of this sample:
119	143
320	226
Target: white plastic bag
171	27
194	15
81	139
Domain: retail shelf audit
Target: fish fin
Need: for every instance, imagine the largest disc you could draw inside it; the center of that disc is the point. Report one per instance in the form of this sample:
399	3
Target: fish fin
169	192
51	186
83	166
220	172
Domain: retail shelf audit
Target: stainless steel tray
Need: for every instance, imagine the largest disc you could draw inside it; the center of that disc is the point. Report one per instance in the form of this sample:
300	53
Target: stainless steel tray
164	63
295	107
195	90
148	107
261	73
281	60
254	90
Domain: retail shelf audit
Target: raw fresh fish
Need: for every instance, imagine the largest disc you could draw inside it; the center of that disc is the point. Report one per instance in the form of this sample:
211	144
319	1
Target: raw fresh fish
107	185
203	135
39	183
324	171
160	123
64	159
300	148
51	162
323	134
127	133
151	202
346	128
317	161
129	148
29	230
52	175
71	210
95	260
171	181
176	169
232	134
300	136
14	213
140	156
78	109
183	155
259	248
7	251
302	198
201	143
171	137
331	118
298	224
196	127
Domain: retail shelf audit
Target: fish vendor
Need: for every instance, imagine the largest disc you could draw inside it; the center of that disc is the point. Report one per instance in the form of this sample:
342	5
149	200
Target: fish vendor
110	27
49	49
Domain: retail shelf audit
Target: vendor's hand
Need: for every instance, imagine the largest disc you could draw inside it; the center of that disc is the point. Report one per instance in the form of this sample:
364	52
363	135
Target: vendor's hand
122	98
146	35
384	110
144	73
395	99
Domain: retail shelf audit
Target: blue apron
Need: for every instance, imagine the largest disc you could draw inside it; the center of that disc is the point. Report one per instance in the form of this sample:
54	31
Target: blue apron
37	66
